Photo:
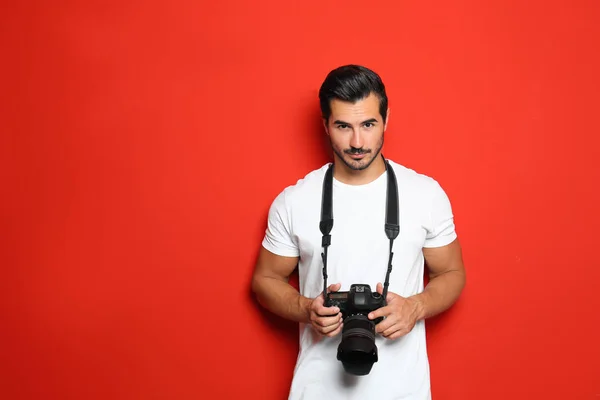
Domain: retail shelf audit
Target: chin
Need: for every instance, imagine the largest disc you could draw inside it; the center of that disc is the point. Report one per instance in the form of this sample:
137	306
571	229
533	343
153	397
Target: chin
358	165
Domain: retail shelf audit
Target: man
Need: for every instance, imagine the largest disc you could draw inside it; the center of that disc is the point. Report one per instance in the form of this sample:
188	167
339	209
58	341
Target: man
355	113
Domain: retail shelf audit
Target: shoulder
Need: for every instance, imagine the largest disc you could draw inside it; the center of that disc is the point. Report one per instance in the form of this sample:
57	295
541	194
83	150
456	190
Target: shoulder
305	188
308	183
420	192
414	182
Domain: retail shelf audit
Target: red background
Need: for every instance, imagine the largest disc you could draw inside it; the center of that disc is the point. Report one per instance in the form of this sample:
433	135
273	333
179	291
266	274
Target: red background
143	142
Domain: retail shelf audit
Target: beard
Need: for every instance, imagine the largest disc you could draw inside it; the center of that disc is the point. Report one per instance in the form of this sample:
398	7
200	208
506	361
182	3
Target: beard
357	165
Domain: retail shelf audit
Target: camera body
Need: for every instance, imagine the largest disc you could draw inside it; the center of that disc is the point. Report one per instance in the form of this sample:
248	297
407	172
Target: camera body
359	300
357	350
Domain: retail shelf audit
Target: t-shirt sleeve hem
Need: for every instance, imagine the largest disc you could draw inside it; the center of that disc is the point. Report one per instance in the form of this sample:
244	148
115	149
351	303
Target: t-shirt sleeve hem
440	241
278	250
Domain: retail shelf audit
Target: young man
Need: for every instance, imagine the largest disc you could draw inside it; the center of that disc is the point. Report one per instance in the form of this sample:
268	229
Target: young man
355	116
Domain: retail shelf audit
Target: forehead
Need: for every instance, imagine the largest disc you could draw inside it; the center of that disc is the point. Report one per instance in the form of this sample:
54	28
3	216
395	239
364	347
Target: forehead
366	108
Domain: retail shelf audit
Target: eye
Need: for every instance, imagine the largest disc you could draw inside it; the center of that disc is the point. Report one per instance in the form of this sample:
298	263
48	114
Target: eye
368	125
342	126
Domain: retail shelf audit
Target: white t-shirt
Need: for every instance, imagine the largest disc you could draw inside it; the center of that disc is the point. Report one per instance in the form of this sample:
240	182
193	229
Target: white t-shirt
359	253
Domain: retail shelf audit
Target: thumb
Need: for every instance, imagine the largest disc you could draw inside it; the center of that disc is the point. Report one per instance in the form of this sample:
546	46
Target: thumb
379	288
334	287
318	300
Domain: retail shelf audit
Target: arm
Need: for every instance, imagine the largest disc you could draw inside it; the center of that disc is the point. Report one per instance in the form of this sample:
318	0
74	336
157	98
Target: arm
443	257
270	281
446	280
270	284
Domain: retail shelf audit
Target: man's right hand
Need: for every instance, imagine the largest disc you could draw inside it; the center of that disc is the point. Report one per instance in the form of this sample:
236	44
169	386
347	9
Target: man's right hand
325	320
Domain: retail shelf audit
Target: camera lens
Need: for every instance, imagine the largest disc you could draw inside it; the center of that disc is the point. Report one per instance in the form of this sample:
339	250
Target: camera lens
357	350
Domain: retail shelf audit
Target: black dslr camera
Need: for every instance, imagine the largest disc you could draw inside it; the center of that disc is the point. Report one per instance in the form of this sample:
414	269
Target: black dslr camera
357	350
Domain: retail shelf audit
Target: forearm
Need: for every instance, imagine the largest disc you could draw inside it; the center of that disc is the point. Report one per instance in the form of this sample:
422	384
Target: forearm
281	298
440	294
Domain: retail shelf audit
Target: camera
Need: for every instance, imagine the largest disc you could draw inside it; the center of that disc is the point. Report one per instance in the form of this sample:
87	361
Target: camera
357	350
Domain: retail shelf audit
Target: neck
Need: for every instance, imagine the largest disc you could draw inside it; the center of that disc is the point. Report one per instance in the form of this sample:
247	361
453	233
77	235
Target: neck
349	176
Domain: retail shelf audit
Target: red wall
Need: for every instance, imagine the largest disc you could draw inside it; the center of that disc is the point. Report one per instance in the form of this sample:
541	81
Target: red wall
143	142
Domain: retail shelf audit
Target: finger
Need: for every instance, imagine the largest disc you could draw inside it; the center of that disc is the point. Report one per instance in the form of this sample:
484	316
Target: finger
336	332
324	330
334	287
398	334
380	312
386	324
327	321
390	295
317	301
399	330
318	306
330	328
392	330
320	309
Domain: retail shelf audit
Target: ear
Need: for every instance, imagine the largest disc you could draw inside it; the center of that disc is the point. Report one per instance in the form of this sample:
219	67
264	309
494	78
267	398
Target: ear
325	126
387	118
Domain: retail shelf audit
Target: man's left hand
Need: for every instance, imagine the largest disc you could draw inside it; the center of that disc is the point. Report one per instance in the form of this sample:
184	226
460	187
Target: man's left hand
401	314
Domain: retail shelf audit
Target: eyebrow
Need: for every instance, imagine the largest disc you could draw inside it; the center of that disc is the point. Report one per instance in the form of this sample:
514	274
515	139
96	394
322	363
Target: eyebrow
338	122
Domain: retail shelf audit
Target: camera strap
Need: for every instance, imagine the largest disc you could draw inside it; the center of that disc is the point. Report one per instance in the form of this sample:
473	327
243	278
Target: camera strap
391	227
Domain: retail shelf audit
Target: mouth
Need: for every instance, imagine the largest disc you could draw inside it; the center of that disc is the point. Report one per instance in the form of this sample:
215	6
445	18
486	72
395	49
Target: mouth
357	156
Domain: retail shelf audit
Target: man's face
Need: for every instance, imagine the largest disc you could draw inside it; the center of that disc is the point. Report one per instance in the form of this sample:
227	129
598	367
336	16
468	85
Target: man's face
356	131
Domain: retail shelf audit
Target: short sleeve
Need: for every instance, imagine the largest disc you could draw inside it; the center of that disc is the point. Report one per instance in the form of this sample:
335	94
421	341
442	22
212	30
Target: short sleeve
278	236
441	230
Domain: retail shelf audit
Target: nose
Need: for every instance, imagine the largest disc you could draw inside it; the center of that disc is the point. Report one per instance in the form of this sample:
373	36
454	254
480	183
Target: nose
357	140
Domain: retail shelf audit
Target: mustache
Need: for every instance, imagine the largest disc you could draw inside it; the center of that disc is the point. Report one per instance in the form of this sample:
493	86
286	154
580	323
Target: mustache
357	151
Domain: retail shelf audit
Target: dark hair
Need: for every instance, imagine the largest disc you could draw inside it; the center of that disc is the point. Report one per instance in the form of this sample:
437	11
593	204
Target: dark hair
351	83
